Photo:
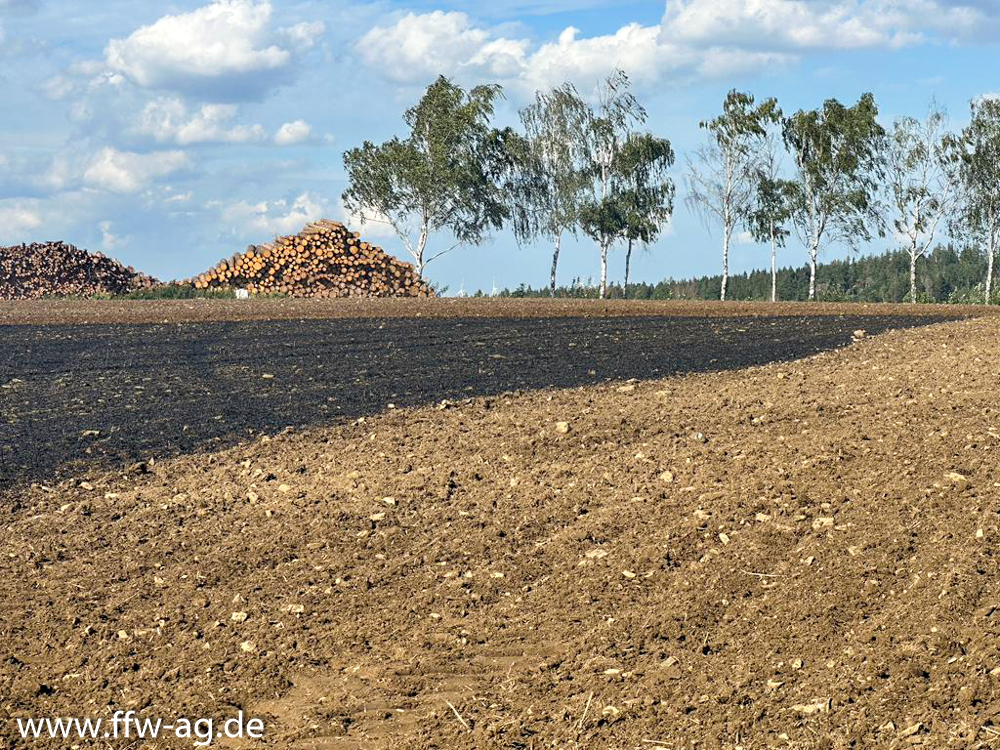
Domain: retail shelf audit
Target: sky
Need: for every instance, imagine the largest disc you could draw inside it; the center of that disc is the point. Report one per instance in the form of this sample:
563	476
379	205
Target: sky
170	135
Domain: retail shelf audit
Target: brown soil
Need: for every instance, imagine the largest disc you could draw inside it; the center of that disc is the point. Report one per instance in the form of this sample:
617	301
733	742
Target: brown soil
799	555
55	311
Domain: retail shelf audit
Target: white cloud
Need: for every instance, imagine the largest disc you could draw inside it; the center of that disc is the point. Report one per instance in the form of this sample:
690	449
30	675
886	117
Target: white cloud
419	46
701	38
126	172
167	120
424	44
372	226
269	219
180	197
788	24
16	218
225	48
303	36
292	132
109	241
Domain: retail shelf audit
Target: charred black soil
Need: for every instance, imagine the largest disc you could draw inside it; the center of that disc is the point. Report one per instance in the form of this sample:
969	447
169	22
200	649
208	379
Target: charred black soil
73	396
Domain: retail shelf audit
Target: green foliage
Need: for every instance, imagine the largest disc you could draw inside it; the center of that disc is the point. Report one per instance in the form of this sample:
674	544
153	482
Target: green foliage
975	156
551	168
837	153
179	291
724	174
630	196
919	183
945	275
447	174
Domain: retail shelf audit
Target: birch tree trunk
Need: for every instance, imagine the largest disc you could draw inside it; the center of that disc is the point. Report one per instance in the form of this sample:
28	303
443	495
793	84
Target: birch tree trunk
813	255
774	266
604	269
555	262
725	262
421	246
628	260
990	253
913	274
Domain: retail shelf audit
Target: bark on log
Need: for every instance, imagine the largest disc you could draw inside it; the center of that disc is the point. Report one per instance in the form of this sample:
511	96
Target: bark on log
324	260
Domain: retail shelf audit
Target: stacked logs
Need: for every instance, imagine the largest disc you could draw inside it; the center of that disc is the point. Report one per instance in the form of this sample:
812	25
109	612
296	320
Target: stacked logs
325	259
57	269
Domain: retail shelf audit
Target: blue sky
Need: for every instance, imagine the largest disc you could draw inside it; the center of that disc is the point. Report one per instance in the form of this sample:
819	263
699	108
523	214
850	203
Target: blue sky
170	135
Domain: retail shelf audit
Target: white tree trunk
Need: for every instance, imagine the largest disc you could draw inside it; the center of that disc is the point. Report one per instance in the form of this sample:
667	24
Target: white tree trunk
628	260
604	270
913	274
990	253
813	256
555	262
726	231
774	266
421	247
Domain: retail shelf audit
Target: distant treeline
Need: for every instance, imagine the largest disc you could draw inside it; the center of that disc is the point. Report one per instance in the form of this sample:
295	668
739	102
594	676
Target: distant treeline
946	275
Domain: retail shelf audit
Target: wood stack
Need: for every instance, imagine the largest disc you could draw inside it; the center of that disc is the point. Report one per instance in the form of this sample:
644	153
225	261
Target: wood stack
325	259
57	269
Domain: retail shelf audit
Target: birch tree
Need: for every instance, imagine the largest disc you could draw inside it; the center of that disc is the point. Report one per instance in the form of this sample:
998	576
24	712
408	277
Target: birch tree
837	153
919	187
976	156
769	212
551	179
608	127
448	174
645	192
720	178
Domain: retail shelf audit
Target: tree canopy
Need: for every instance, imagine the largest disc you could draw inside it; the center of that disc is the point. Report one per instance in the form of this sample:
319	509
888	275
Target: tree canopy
448	174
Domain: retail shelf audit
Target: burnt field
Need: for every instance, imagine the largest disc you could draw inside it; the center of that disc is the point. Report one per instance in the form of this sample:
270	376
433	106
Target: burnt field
73	396
799	555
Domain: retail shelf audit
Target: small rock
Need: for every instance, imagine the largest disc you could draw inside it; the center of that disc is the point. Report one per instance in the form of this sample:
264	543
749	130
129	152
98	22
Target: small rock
86	486
724	538
377	517
629	388
762	517
267	376
822	522
562	427
667	477
628	574
284	489
959	481
821	706
248	646
238	617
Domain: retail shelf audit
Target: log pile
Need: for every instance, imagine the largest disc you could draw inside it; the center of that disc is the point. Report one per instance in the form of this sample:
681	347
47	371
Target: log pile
325	259
58	269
